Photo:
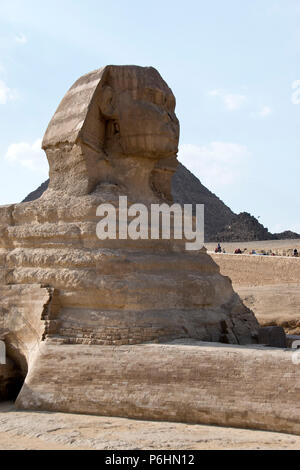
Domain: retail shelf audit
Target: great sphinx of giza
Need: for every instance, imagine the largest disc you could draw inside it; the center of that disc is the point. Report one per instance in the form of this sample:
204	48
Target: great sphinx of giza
117	327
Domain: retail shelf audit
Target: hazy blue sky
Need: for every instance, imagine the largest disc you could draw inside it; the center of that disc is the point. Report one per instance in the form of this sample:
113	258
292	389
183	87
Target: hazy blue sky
231	65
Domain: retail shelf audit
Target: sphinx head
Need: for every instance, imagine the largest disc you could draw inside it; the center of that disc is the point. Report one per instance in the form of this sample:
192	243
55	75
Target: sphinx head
139	110
110	121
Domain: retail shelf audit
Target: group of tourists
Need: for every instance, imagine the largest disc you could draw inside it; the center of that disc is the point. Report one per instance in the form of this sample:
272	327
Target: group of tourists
238	251
219	249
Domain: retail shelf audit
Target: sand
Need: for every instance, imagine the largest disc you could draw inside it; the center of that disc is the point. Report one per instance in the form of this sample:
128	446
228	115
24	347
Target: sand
27	430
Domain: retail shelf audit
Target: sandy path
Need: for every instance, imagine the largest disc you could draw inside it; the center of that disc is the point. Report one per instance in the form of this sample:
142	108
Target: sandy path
42	430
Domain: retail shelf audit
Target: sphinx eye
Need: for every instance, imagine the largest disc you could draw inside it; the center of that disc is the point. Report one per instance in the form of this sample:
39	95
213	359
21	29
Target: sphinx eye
153	96
170	102
116	128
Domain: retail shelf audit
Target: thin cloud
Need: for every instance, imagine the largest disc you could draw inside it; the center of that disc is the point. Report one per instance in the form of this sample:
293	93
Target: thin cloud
294	227
6	93
28	155
217	164
21	38
264	112
232	101
295	98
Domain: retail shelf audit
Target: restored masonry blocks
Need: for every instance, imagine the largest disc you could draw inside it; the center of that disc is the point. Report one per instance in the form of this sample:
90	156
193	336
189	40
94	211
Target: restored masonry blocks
110	319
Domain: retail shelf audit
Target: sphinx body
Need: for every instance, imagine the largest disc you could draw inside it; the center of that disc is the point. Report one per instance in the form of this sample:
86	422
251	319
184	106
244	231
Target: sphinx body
78	299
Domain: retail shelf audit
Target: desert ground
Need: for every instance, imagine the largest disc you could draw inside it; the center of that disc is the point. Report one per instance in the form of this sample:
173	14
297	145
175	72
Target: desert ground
28	430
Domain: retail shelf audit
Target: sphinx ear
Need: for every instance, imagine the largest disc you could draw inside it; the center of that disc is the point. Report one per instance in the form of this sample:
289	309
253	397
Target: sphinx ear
107	105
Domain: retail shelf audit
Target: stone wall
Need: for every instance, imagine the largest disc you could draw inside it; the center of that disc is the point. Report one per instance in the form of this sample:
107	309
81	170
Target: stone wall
189	382
268	285
253	270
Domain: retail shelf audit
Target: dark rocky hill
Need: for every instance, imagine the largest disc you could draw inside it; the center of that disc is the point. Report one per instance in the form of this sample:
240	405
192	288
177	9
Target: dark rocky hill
36	194
244	227
287	235
221	223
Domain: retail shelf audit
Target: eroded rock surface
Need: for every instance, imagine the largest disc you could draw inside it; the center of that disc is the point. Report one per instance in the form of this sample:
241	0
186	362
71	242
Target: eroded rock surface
268	285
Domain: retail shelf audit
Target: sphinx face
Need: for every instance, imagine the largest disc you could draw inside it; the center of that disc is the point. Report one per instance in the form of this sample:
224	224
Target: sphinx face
111	113
145	121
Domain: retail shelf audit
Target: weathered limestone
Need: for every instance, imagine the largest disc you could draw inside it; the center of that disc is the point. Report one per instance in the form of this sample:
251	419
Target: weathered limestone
189	382
116	133
246	270
25	320
268	285
115	125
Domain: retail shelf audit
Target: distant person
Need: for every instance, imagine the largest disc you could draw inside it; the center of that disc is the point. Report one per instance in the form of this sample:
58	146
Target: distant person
296	253
238	251
218	249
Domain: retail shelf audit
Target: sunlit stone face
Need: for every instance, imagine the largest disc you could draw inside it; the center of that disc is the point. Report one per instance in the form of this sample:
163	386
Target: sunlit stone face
115	124
145	123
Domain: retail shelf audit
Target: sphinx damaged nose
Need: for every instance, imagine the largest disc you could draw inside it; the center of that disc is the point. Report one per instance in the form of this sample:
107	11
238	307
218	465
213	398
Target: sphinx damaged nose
173	126
169	116
174	118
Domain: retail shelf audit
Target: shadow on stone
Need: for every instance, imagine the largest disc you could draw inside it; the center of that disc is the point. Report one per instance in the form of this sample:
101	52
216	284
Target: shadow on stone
273	336
11	381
